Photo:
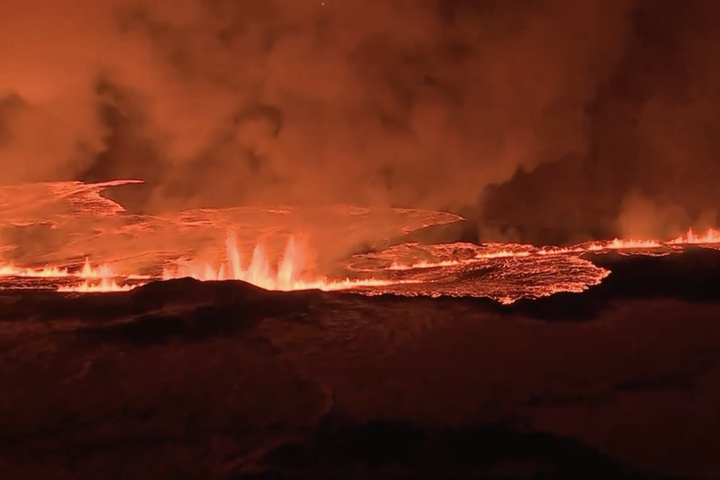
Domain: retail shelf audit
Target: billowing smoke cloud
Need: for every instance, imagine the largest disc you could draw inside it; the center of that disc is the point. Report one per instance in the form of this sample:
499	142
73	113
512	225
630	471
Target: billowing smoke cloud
652	165
564	108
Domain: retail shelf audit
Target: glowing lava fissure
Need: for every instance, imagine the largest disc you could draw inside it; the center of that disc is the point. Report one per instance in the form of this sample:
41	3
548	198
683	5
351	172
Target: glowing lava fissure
507	272
290	273
78	222
503	272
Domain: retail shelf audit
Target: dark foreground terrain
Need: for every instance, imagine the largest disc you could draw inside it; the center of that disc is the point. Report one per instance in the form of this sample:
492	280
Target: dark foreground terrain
189	380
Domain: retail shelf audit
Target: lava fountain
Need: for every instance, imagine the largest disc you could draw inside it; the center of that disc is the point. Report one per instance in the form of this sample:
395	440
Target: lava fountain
289	274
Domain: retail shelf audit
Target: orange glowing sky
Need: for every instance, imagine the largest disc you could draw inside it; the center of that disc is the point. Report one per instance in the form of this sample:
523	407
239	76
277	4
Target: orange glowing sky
528	118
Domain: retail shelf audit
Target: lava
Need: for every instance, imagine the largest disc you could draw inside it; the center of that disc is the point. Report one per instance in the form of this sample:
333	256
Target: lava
503	254
289	274
10	270
505	272
102	271
123	250
87	271
103	286
424	264
691	238
618	244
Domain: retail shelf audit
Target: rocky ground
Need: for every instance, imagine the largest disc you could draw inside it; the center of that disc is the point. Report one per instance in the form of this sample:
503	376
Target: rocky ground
189	380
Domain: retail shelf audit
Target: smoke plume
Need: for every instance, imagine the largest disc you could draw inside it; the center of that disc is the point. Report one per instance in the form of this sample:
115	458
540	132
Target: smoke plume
531	116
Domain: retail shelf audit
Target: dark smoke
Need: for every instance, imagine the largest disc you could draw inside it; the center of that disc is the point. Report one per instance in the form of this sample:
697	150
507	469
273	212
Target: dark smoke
542	120
652	162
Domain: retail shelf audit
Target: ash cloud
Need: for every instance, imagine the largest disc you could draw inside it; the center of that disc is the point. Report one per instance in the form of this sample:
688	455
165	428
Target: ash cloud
529	116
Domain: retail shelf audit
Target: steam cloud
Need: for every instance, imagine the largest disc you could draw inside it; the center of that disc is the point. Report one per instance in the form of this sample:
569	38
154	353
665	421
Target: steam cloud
530	116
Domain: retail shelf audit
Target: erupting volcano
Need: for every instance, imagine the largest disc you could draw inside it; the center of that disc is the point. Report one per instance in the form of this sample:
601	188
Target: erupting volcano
288	275
131	250
351	239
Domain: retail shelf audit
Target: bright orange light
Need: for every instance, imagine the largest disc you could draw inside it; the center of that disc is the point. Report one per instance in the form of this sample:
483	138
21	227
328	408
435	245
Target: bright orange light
105	285
711	236
288	275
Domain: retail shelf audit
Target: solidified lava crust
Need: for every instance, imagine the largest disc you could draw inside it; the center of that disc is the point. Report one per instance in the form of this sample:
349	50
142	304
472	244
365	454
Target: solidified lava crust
189	379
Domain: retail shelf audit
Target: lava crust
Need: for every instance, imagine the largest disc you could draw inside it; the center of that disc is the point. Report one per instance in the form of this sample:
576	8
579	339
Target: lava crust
189	379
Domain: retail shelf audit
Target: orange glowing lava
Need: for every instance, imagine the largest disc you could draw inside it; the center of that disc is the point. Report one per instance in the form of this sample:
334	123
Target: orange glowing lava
504	254
288	275
82	223
562	250
10	270
88	271
104	285
424	264
691	238
499	251
619	244
101	271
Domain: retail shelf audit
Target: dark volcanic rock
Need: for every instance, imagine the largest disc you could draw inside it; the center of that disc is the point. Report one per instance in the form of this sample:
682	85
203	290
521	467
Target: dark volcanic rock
399	450
220	380
195	311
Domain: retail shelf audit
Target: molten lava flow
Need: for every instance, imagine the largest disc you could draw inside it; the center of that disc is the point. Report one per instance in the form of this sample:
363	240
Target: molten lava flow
10	270
107	276
88	271
503	272
290	273
77	221
287	276
105	285
499	251
691	238
618	244
561	250
503	254
102	271
424	264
